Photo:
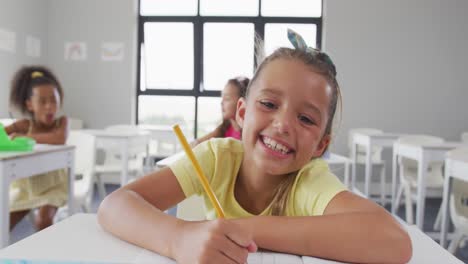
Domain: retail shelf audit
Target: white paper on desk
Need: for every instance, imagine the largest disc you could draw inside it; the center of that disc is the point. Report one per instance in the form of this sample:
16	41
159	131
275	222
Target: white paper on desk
273	258
310	260
146	256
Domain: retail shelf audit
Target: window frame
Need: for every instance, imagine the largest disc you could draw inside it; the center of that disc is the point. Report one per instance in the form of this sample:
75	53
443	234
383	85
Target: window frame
198	22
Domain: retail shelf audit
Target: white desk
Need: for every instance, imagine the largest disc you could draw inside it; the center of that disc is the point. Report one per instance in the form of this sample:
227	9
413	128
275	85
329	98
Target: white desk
124	140
383	140
80	238
423	155
336	159
17	165
454	168
163	134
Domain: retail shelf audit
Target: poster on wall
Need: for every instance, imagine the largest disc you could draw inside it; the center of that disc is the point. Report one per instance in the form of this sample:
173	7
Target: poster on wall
7	40
33	47
75	51
112	51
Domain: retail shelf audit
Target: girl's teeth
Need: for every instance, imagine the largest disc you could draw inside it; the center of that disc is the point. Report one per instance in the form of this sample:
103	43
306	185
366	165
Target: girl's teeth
271	144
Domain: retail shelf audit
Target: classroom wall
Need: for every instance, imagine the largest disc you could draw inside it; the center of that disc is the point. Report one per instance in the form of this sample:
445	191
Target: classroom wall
25	18
101	93
401	65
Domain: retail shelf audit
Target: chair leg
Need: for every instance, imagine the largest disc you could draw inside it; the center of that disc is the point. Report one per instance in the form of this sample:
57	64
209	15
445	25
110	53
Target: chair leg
382	186
408	204
100	185
455	241
398	197
85	208
437	223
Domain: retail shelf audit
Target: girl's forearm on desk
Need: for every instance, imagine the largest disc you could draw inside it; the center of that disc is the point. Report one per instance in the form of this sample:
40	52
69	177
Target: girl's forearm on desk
362	237
128	216
54	138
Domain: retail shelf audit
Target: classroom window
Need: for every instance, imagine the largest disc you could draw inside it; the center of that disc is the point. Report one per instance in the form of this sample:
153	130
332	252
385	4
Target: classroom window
168	7
231	46
228	8
209	114
292	8
188	49
166	43
167	111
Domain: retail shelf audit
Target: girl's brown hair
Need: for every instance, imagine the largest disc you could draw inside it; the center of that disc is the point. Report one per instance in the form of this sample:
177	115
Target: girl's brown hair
25	79
320	63
241	83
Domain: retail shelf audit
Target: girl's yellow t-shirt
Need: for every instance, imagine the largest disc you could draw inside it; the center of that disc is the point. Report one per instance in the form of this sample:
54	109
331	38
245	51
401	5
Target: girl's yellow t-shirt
221	158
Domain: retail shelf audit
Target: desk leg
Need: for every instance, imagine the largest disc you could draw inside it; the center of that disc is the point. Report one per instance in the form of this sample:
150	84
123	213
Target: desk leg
421	192
353	166
4	206
394	181
368	171
346	174
71	182
124	154
445	204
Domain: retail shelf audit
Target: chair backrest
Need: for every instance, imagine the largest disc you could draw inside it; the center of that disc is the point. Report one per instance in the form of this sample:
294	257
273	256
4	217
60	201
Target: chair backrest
163	142
459	198
123	128
420	140
137	146
6	121
464	137
410	167
460	153
75	123
84	150
376	152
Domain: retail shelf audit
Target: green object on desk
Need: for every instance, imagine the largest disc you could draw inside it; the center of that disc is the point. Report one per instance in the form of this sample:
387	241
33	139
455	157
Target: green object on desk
17	144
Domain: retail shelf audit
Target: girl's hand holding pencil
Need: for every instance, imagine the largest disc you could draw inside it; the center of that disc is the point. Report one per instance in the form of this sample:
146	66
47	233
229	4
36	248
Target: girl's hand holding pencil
217	241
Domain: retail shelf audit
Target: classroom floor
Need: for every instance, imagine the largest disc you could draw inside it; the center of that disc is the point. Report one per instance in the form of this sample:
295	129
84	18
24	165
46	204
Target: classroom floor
25	229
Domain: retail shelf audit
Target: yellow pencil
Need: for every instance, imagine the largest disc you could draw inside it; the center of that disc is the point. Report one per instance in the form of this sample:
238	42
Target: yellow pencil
201	175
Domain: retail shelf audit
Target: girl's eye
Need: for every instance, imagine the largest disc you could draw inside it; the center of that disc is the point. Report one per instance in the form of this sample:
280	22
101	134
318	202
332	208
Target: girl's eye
268	104
304	119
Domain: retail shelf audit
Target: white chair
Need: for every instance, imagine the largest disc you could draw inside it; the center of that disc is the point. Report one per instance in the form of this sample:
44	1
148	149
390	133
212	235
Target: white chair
191	209
464	137
409	175
6	121
459	202
84	171
376	155
112	164
75	123
163	141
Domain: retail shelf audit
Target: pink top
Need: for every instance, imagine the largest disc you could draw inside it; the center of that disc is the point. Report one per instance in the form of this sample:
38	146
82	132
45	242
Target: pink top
231	132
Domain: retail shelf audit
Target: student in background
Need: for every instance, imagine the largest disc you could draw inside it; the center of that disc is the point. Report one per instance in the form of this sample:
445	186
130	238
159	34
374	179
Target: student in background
234	89
276	191
37	93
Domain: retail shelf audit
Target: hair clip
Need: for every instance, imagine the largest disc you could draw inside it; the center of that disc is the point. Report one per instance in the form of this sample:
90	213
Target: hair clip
299	43
36	74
